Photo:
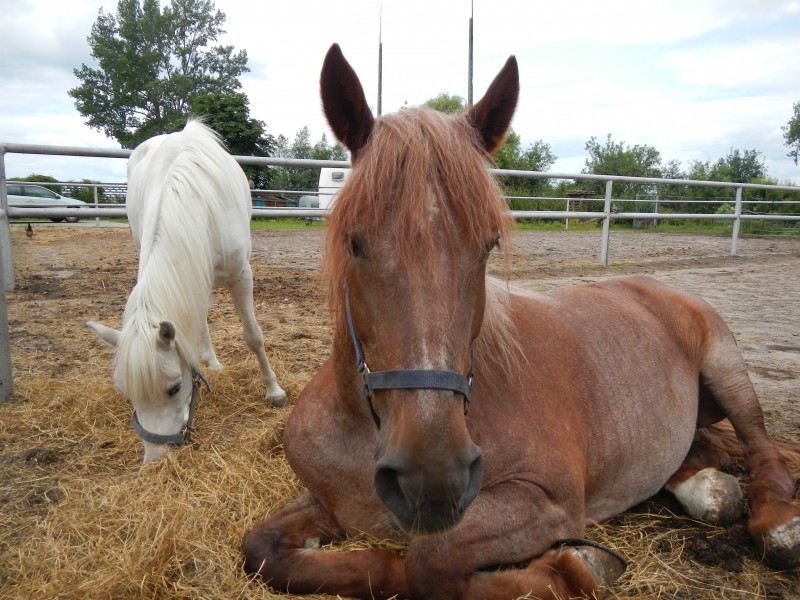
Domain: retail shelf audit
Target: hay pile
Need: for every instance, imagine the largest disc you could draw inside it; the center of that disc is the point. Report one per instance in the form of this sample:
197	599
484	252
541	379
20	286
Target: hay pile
81	518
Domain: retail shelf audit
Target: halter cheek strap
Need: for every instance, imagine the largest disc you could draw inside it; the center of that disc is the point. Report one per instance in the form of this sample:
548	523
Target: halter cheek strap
184	436
427	379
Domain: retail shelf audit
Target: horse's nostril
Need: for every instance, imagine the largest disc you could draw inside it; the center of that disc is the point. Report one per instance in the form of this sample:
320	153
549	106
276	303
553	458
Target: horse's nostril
475	479
389	490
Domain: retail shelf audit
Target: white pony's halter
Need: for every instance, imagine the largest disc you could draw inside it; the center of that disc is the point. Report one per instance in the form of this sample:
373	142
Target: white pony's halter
185	435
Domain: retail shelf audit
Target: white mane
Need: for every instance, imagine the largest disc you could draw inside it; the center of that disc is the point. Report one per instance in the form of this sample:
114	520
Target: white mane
180	187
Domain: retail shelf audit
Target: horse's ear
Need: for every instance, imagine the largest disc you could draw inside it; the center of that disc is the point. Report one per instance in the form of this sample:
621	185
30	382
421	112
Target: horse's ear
344	102
492	115
108	335
166	333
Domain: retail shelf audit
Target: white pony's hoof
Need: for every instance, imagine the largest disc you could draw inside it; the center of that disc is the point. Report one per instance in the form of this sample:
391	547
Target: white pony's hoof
213	364
781	546
711	496
277	399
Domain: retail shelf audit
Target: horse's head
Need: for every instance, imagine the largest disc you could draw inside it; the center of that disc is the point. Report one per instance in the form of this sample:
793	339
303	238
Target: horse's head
410	235
152	373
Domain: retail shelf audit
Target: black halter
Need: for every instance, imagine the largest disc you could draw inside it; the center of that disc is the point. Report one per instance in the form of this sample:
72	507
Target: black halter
184	436
428	379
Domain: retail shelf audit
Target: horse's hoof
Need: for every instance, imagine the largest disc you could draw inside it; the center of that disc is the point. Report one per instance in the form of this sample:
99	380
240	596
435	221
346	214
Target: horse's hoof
605	564
780	547
711	496
277	401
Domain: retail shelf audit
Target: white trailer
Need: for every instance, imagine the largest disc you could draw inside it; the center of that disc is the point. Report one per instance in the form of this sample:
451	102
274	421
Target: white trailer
330	180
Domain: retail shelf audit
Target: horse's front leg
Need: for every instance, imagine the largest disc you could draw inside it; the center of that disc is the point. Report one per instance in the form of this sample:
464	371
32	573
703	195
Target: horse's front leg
512	543
282	552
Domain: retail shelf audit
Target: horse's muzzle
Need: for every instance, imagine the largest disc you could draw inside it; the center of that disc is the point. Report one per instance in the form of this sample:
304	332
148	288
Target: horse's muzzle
430	497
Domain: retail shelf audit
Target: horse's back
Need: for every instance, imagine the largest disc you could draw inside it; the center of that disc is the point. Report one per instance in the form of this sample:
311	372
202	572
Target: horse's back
188	179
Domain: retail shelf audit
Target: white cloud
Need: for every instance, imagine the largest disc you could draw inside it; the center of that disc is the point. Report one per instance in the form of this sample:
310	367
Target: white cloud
692	79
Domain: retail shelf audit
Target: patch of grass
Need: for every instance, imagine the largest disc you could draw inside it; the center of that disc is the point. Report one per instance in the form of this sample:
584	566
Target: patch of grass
269	223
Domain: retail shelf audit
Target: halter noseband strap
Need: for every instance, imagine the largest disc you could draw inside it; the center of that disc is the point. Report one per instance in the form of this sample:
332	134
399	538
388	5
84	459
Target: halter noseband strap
428	379
184	436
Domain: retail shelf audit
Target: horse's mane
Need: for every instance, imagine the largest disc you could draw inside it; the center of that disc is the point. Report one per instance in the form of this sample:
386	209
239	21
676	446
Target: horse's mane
412	156
189	182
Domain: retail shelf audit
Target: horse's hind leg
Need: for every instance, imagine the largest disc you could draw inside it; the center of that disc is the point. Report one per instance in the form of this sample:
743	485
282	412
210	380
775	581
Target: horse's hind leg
242	292
774	521
703	490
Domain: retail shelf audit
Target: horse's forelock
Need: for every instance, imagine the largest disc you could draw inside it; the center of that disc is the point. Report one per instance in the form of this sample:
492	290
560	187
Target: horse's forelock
413	158
136	361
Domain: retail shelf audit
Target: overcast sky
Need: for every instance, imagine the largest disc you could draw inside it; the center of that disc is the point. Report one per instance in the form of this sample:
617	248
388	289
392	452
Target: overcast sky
692	78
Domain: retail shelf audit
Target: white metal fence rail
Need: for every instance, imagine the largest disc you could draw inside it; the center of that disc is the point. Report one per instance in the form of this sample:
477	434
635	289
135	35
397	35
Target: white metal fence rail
606	215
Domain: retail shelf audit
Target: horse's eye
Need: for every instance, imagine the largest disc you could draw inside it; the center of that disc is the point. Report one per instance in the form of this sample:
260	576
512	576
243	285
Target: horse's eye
356	249
174	389
494	243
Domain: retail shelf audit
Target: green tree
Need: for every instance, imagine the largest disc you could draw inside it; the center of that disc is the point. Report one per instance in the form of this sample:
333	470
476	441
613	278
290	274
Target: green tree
229	115
739	167
151	66
617	158
791	134
451	105
298	178
537	156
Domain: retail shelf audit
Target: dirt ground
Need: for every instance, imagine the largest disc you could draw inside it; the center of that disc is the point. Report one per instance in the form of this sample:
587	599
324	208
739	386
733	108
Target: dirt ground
68	275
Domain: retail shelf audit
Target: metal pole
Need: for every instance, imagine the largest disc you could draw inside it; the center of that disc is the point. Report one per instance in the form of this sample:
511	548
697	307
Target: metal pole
96	219
380	61
737	221
469	70
6	261
6	379
606	226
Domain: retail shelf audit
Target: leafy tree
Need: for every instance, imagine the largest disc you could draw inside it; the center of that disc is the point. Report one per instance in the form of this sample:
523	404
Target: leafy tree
739	167
791	134
451	105
617	158
537	156
297	178
86	193
151	66
229	115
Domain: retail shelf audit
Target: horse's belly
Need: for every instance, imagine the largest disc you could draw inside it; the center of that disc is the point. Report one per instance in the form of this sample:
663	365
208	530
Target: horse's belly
644	448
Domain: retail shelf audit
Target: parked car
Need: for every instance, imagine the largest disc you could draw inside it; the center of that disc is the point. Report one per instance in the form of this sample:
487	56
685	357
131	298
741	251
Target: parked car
36	196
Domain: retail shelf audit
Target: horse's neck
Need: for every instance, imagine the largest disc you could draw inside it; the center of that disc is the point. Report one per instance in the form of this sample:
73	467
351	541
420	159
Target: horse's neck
173	289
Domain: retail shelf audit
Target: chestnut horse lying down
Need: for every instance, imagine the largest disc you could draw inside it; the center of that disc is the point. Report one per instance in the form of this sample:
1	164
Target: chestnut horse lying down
583	404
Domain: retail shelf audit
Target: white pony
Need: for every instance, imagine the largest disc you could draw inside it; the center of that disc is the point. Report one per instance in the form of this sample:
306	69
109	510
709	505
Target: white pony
189	211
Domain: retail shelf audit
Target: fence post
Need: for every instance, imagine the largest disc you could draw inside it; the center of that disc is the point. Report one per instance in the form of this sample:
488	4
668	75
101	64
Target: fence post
6	262
96	219
6	379
606	225
737	221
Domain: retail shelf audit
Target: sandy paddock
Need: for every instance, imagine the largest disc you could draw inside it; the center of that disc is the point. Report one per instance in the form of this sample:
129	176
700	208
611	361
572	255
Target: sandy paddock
81	518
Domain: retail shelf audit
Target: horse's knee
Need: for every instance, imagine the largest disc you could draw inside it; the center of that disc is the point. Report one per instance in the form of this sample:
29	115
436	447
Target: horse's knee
709	495
254	340
435	577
